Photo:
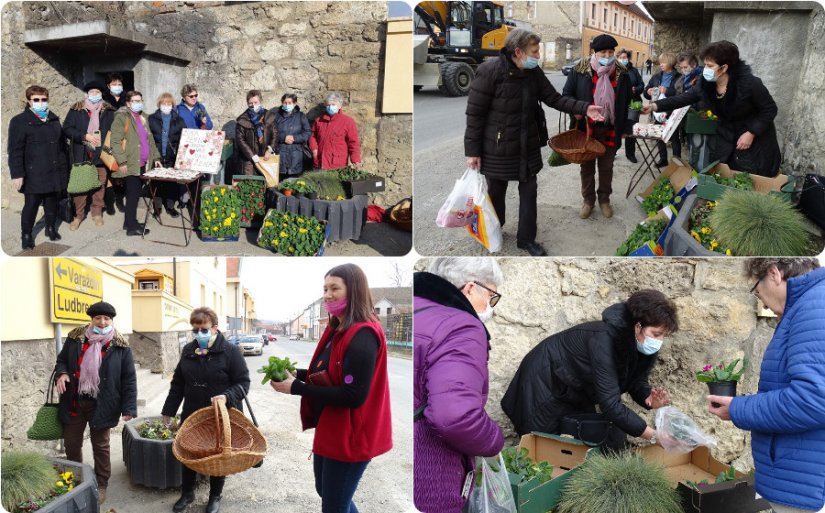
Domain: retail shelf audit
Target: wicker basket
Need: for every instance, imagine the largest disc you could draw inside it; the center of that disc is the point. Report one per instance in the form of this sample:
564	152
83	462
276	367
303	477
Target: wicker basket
577	146
213	433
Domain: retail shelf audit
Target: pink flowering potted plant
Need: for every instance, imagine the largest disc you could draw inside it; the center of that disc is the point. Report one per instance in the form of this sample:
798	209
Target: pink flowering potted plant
722	379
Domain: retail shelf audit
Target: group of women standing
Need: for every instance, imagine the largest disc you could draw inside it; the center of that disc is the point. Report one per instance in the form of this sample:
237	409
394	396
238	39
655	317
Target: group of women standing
344	390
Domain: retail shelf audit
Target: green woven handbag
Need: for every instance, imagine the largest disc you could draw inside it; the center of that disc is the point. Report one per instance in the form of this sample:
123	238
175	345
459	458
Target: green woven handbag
47	425
83	178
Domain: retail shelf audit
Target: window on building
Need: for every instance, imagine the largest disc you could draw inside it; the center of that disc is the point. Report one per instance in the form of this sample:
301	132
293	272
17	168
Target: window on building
604	19
389	310
149	285
203	295
615	19
593	13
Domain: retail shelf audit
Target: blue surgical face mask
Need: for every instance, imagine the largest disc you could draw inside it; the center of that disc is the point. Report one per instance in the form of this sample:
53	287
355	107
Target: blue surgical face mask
604	61
116	90
530	62
288	108
623	62
96	98
102	331
709	75
649	346
332	110
41	107
203	339
136	107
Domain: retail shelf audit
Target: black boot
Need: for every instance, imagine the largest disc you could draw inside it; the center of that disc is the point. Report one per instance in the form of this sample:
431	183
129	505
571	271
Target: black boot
186	498
120	200
28	241
214	504
51	231
109	200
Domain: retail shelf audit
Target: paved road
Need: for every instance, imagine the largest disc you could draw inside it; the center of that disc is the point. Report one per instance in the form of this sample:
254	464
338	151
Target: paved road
439	160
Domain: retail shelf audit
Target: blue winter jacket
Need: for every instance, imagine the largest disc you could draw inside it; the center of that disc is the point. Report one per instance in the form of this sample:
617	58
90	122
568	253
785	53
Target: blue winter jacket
787	415
189	115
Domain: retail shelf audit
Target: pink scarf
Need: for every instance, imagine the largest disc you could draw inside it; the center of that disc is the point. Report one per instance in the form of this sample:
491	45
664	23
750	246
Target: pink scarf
94	120
90	367
605	96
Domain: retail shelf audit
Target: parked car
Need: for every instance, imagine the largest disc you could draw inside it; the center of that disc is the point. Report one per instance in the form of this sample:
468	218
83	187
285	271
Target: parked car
294	337
565	70
272	338
252	344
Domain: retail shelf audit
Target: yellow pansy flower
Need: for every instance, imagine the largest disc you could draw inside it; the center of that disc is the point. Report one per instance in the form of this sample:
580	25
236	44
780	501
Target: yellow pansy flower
705	230
59	484
728	252
267	224
275	242
302	230
284	234
215	199
223	191
695	235
232	215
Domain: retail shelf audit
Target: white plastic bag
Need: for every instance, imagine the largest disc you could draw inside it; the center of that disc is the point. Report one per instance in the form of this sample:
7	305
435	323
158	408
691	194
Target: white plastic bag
458	211
492	492
677	432
485	227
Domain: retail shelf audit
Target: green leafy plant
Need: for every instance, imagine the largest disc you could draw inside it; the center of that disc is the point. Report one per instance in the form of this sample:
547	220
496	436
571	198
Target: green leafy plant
555	160
741	181
635	105
298	185
25	476
701	231
291	234
328	184
723	477
755	224
661	195
157	430
519	463
251	194
642	234
220	211
623	483
722	372
350	174
276	369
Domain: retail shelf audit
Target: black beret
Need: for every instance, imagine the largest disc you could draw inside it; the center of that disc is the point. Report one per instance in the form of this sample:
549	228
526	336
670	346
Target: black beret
603	42
101	308
94	84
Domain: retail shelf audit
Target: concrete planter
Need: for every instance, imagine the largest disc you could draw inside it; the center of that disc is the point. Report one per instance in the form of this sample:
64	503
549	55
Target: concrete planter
83	497
149	462
344	219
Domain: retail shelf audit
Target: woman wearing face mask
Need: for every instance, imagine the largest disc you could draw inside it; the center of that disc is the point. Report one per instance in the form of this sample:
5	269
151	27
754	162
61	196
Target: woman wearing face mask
745	135
255	133
130	125
293	134
167	127
334	140
663	84
97	385
636	88
345	392
593	364
601	81
209	368
452	301
86	126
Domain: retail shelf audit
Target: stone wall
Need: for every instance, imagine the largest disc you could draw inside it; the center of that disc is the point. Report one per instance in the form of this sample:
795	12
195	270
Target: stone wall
717	317
307	48
24	388
158	352
677	37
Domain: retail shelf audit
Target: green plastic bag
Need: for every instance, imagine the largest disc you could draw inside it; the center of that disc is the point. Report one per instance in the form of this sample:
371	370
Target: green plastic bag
556	160
83	178
47	425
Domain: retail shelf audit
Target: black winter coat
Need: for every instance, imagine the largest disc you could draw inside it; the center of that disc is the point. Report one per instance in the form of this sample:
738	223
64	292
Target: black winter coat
295	124
579	85
746	107
198	378
573	371
117	392
75	126
38	153
247	143
176	126
637	85
506	126
656	81
109	98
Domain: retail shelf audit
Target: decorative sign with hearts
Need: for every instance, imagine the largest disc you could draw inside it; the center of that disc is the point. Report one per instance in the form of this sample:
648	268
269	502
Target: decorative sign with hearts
200	150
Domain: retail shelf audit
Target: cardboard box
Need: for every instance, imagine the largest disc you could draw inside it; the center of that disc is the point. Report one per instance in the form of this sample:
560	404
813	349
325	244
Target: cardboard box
710	189
736	496
679	173
565	454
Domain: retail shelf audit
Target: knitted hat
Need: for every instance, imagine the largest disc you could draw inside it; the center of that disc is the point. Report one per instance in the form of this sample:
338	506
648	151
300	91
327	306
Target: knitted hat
101	308
94	84
603	42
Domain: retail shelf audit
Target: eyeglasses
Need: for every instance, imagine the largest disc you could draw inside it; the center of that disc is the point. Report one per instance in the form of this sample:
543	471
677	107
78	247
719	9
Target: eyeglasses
202	331
494	298
753	289
192	95
38	100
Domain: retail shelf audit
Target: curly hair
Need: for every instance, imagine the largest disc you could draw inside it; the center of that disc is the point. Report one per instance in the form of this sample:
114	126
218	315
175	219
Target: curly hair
652	308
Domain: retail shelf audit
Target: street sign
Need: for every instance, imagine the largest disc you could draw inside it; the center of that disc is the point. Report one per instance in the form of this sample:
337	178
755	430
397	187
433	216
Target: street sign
74	288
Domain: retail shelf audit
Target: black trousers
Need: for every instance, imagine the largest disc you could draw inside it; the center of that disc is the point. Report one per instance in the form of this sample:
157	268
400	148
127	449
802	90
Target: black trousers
527	205
31	205
187	478
167	193
134	186
675	142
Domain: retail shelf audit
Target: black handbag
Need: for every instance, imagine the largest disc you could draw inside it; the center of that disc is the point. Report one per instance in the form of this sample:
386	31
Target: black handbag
309	160
65	209
812	199
591	428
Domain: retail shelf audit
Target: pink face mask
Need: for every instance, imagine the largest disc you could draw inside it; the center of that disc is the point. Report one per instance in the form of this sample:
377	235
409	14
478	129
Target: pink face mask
337	307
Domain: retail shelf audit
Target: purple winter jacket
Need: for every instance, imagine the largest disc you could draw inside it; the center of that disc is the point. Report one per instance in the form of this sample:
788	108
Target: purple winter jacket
451	354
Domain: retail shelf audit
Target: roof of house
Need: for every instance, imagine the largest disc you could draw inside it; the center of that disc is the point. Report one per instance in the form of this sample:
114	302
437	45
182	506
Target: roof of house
233	267
398	296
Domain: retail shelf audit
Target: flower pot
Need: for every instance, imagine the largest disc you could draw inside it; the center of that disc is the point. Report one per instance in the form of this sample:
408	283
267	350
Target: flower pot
149	462
722	388
633	115
83	497
298	194
311	195
287	192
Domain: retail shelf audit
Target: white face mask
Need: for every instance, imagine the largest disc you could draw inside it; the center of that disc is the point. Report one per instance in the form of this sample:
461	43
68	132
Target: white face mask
166	109
486	315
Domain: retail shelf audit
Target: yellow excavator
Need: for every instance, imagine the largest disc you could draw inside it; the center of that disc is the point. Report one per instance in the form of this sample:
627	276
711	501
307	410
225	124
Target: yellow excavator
452	39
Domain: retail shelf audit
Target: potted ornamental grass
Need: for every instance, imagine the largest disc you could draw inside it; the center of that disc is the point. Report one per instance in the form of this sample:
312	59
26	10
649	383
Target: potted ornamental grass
33	482
722	378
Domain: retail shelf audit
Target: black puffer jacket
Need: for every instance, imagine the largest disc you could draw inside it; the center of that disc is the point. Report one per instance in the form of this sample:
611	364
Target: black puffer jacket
38	153
117	391
505	123
296	125
746	107
197	379
75	126
176	126
570	372
579	85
